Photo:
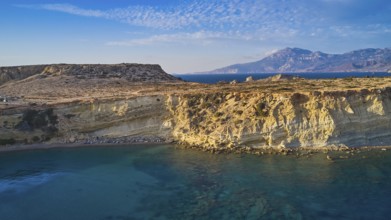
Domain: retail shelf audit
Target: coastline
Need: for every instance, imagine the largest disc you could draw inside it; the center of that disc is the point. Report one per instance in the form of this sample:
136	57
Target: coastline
43	146
332	153
284	116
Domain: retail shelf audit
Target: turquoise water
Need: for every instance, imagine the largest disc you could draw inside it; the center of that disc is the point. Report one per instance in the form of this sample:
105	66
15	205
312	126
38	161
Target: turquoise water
161	182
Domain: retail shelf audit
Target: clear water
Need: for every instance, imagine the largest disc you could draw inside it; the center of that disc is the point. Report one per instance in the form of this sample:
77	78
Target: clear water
214	78
161	182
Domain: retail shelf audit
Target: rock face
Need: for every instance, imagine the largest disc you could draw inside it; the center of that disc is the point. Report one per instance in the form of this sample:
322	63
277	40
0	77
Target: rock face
135	117
141	103
130	72
218	120
282	77
295	60
318	119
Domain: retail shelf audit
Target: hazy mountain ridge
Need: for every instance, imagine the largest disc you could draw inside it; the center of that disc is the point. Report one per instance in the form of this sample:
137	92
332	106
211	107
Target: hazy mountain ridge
294	60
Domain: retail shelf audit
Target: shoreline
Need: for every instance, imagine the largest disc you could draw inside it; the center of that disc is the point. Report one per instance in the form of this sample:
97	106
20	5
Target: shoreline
44	146
90	141
332	153
298	152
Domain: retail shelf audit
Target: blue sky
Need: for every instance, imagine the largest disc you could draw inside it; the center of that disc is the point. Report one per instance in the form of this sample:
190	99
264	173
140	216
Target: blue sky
185	35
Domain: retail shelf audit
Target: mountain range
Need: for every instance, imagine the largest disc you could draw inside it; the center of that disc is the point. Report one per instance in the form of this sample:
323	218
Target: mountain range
296	60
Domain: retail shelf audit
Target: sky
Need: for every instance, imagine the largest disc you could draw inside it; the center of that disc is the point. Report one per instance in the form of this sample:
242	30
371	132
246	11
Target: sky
185	36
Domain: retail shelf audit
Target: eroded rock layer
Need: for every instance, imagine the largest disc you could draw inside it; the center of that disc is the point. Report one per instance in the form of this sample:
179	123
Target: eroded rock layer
312	119
214	120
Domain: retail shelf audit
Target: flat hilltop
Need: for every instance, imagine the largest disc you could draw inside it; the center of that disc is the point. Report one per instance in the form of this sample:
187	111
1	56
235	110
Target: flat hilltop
130	71
63	83
59	83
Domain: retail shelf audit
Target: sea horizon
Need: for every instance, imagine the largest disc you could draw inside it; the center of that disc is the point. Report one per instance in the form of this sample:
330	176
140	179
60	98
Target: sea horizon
211	78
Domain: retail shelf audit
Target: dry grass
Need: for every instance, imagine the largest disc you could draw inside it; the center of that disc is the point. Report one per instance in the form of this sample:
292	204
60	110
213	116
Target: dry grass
63	89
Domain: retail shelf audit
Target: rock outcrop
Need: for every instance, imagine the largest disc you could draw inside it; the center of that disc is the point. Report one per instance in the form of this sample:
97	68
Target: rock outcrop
315	119
130	72
279	112
134	117
220	120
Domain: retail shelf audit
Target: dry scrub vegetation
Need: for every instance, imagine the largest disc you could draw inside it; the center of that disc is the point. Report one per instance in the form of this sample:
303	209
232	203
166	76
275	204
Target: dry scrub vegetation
56	89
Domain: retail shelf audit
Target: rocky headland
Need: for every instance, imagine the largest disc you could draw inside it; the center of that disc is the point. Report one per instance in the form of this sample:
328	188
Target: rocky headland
130	72
134	103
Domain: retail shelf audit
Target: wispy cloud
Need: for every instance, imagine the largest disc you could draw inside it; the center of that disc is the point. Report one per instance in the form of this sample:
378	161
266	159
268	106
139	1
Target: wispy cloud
71	9
206	21
66	8
199	37
212	14
207	37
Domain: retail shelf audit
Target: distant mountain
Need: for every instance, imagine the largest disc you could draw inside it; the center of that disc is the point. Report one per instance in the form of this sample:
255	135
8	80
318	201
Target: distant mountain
295	60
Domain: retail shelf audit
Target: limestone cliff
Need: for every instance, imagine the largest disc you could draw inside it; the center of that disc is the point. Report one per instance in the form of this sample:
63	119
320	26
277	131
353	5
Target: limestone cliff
138	116
312	119
62	105
220	120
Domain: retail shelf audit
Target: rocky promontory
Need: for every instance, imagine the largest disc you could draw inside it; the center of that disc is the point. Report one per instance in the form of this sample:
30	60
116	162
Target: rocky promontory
129	71
58	106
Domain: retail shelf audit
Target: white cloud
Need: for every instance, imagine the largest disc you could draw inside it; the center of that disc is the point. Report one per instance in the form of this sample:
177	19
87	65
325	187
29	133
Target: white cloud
200	37
71	9
270	52
207	37
212	14
205	21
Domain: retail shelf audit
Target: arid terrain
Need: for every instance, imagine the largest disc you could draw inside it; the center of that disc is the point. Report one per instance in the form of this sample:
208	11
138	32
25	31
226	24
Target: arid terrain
141	103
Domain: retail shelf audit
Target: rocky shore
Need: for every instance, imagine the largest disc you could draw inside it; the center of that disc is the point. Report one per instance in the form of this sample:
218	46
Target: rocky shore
331	153
117	140
93	141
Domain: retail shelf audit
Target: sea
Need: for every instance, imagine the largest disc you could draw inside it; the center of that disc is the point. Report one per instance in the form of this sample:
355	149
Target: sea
241	77
165	182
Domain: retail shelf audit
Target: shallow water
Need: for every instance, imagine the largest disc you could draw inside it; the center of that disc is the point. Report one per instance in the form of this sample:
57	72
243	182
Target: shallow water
161	182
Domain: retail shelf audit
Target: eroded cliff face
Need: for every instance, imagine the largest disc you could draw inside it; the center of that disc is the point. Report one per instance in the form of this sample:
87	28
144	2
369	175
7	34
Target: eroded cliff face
214	120
256	119
134	117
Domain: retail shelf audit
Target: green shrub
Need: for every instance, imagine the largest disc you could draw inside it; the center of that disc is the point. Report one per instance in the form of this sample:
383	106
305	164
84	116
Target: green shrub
7	141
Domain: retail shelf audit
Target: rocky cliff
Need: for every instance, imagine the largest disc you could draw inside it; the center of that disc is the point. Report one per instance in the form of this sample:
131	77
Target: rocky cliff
279	113
311	119
83	121
219	120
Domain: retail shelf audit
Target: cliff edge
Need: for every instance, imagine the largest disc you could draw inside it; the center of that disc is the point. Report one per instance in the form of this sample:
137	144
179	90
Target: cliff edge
292	113
129	71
